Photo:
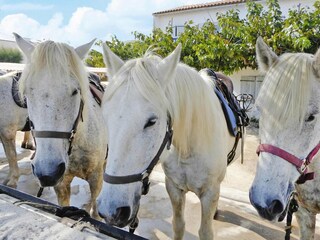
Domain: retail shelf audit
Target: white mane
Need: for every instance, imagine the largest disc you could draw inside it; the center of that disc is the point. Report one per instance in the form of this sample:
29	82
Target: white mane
188	98
57	60
285	93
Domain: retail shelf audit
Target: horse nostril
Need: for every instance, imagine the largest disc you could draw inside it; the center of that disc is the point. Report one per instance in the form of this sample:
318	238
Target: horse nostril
122	214
33	169
101	215
61	169
276	207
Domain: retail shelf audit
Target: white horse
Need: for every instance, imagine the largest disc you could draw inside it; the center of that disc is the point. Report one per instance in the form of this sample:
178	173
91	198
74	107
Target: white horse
289	102
147	97
66	120
12	119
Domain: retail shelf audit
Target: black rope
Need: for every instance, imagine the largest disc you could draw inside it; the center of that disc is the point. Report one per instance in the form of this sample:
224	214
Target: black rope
293	207
133	226
40	192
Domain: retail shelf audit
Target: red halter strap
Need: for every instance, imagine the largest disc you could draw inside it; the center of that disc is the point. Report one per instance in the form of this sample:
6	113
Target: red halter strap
301	164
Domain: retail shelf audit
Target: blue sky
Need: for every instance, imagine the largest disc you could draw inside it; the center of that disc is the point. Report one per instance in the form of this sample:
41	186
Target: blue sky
79	21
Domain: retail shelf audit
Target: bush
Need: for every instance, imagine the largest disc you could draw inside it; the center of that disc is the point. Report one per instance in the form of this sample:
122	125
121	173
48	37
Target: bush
10	55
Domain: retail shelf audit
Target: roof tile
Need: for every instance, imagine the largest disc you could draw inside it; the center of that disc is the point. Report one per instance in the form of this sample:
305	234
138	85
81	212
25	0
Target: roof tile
201	5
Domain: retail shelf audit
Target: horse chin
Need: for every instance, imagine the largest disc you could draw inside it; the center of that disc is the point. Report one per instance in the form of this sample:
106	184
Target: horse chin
52	183
118	222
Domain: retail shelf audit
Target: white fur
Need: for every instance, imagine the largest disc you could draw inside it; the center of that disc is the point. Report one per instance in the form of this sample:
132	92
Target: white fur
54	82
289	96
150	88
12	119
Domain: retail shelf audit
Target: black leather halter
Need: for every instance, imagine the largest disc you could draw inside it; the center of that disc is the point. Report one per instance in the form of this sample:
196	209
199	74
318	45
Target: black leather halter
63	135
18	99
144	176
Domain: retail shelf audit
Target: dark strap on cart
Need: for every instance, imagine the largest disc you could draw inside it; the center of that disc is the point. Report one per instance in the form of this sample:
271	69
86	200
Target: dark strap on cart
70	212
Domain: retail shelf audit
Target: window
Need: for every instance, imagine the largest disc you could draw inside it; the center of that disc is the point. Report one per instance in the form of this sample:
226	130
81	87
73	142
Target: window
251	85
177	30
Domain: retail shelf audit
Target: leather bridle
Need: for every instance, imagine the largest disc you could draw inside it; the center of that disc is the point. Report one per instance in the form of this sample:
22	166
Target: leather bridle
300	164
62	135
144	176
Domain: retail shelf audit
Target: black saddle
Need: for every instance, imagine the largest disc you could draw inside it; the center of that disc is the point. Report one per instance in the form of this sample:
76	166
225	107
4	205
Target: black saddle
96	88
235	116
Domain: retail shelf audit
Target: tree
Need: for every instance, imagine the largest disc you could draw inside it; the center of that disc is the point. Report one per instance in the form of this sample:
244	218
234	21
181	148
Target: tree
230	46
10	55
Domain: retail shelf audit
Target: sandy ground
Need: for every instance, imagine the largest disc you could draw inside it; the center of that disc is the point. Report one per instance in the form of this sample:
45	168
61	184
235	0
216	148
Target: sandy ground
237	219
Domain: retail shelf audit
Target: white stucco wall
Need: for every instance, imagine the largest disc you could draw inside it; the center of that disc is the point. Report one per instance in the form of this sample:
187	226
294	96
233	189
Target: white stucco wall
236	77
201	15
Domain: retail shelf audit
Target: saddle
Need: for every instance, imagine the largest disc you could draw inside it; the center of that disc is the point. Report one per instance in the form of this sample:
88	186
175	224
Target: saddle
96	88
235	116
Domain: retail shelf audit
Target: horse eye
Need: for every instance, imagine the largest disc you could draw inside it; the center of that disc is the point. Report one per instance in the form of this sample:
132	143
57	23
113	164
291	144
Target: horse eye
75	92
310	118
150	122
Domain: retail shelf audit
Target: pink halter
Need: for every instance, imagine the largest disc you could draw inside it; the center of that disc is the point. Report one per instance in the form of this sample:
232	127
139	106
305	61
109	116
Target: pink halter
301	164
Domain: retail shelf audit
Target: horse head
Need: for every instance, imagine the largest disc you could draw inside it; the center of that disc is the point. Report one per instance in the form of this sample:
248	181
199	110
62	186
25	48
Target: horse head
137	130
289	126
55	85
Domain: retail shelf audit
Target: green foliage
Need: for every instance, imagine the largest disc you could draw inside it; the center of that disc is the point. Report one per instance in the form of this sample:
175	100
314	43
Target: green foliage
229	46
10	55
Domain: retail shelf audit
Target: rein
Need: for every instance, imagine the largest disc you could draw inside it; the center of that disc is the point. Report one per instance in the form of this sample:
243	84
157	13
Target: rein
144	176
300	164
62	135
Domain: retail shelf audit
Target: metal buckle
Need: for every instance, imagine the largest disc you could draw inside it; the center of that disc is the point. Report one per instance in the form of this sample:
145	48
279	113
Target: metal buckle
144	174
304	166
71	135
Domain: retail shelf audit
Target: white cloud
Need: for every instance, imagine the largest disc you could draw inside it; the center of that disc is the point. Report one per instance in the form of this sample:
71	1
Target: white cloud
120	18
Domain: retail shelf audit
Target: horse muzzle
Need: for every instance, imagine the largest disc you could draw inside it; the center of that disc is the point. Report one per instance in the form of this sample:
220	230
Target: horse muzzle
49	179
270	209
120	218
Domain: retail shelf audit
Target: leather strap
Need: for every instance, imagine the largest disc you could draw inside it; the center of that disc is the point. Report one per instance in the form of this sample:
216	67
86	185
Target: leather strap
280	153
145	174
63	135
51	134
301	165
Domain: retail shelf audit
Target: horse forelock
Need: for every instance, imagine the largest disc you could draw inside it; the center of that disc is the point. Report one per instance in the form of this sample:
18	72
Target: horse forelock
285	93
188	99
56	61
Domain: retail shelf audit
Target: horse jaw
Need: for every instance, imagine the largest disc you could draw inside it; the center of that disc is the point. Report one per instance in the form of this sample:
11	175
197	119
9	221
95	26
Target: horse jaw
83	50
25	46
112	61
265	56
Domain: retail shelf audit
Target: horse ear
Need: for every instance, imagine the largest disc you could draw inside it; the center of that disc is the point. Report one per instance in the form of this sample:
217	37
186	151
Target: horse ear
265	56
25	46
83	50
167	67
316	63
112	61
